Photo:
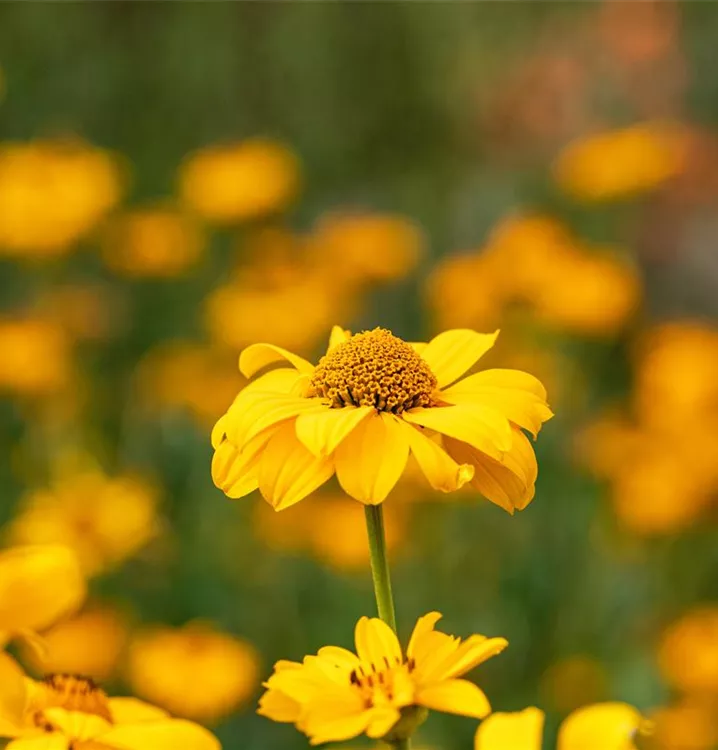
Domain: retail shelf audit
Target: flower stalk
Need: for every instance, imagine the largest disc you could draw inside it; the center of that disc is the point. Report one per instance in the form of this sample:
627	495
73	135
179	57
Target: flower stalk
380	564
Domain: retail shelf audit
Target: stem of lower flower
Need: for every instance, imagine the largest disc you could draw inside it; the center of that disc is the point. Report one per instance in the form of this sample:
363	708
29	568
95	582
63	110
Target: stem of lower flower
380	568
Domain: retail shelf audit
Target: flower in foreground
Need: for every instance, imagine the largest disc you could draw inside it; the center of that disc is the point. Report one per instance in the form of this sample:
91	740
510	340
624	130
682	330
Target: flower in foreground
39	584
64	712
337	695
371	401
602	726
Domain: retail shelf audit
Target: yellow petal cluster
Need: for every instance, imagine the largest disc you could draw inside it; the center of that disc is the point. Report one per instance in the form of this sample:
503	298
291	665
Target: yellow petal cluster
65	712
337	694
602	726
371	402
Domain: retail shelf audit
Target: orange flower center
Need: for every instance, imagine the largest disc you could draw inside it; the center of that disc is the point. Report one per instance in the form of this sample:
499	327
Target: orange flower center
374	368
377	683
71	693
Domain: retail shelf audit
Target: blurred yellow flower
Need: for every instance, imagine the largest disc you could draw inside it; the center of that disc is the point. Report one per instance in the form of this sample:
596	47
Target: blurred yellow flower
690	724
329	526
368	247
294	311
337	695
602	726
27	342
53	193
39	584
196	671
677	352
65	712
155	242
591	293
688	651
189	376
91	643
371	401
104	519
572	682
619	163
240	181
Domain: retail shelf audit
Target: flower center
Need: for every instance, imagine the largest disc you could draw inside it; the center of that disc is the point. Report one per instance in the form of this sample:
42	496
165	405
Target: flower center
71	693
374	368
377	685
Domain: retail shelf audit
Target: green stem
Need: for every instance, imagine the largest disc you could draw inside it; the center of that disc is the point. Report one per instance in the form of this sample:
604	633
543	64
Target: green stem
380	565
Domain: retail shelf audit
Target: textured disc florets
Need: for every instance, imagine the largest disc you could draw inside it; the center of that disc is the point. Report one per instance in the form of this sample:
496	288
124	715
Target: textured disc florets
376	369
73	693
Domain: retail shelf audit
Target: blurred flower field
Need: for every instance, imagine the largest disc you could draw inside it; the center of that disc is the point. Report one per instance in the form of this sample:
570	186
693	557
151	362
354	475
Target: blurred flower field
179	181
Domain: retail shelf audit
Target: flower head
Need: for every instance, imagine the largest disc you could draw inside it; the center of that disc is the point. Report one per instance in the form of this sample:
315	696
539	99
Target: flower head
602	726
337	695
371	401
66	712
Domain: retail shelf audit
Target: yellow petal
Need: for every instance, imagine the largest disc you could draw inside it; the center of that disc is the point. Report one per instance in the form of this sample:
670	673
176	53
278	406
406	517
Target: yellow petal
480	426
515	380
167	734
340	657
382	720
424	624
278	706
54	741
132	710
249	416
338	336
236	472
452	353
38	585
322	431
218	431
288	472
603	726
376	642
257	356
77	724
442	472
522	730
509	483
371	459
455	697
13	696
282	380
474	651
521	405
335	721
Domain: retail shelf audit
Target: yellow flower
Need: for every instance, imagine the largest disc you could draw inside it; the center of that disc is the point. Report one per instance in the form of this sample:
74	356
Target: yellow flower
25	342
158	242
38	585
240	181
53	193
65	712
602	726
195	671
690	724
371	401
688	652
104	519
619	163
368	247
329	526
90	643
337	695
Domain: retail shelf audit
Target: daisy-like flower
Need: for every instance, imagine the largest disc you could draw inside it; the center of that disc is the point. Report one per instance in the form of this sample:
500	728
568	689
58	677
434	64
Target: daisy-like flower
337	695
601	726
65	712
371	401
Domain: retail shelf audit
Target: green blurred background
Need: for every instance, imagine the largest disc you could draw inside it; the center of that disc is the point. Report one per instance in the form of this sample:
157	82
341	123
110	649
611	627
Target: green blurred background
423	158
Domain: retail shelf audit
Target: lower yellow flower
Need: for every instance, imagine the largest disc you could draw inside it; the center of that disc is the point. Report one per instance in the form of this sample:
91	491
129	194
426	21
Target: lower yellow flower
337	695
602	726
64	712
38	585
